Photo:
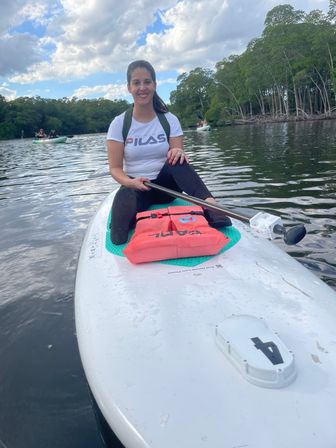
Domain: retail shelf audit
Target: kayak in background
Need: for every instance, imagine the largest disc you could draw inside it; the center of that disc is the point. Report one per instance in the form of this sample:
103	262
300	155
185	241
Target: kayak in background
62	139
235	349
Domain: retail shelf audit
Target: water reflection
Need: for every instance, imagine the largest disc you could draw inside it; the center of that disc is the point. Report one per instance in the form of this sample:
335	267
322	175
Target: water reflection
47	197
285	168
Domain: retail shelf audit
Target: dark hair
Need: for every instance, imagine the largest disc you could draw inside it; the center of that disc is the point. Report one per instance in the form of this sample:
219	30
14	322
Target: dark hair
158	104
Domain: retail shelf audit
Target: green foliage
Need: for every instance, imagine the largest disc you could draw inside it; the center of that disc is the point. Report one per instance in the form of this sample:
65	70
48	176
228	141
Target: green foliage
191	100
289	70
283	15
332	11
66	116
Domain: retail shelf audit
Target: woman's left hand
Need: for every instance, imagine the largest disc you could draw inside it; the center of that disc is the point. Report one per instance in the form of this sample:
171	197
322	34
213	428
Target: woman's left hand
176	155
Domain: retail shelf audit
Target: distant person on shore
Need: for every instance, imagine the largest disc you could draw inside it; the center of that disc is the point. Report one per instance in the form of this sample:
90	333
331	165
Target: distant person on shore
53	134
40	133
202	122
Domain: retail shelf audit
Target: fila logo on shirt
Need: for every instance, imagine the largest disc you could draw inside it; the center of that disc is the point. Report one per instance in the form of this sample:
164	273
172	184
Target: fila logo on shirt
139	141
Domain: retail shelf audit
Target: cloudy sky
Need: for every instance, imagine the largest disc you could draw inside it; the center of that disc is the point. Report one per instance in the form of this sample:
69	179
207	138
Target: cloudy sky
65	48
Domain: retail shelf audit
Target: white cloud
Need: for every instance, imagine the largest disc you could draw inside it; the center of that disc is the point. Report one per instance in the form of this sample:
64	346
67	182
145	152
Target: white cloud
201	35
101	35
39	11
111	91
98	37
8	93
108	91
20	50
160	82
8	14
17	53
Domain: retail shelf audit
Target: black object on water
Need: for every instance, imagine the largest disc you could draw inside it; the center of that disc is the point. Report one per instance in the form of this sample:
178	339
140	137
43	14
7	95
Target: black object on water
292	236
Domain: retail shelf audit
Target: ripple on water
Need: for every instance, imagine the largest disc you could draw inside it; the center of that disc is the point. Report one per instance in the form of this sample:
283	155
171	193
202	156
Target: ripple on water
47	197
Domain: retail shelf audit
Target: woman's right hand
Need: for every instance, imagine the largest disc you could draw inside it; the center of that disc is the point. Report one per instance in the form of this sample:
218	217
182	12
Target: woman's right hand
138	183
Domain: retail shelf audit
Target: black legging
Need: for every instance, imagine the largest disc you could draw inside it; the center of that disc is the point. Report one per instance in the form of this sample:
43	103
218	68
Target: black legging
128	202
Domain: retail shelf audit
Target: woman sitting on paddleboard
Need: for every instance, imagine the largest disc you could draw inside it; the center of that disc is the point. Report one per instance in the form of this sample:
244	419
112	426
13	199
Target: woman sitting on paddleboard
145	144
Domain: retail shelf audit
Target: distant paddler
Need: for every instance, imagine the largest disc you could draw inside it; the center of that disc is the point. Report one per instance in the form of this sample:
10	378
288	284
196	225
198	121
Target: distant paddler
40	133
203	125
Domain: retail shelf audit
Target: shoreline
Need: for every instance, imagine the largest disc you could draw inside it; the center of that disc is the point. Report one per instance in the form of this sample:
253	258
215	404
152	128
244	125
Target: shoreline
256	120
281	119
261	120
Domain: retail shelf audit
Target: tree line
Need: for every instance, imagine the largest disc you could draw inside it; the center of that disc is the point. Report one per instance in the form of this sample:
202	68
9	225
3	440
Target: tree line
288	72
24	116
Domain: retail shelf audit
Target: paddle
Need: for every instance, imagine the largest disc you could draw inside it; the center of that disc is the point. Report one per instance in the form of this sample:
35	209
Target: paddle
263	223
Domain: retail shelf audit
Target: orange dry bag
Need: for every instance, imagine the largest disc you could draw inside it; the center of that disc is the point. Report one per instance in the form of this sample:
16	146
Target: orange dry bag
173	232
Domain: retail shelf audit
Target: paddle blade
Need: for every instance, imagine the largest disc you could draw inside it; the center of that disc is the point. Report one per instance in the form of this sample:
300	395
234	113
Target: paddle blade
295	234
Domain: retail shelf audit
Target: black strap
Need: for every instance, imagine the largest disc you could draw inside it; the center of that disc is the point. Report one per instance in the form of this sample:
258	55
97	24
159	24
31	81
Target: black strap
159	215
128	121
164	123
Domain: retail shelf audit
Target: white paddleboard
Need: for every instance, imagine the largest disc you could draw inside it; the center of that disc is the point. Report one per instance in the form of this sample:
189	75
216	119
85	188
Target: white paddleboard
235	351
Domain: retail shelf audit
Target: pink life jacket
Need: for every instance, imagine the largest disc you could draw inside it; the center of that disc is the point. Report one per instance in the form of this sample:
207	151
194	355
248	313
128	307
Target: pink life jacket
173	232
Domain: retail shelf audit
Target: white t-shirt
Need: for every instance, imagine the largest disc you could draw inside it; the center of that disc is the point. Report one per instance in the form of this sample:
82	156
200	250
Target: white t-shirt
146	146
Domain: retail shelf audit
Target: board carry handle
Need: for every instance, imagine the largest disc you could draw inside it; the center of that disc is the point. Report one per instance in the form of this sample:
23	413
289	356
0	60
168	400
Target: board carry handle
262	222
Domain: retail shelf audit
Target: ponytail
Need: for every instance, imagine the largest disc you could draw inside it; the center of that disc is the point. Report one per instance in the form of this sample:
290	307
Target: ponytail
159	105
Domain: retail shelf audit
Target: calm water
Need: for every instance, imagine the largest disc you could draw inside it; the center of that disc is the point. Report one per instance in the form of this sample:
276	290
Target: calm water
48	195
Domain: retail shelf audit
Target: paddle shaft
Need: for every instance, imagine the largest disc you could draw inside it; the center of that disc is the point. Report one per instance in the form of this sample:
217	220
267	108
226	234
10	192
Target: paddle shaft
197	201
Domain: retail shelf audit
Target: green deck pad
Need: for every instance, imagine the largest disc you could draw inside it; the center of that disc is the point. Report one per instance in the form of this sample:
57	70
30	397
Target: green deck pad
229	232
